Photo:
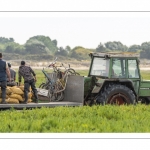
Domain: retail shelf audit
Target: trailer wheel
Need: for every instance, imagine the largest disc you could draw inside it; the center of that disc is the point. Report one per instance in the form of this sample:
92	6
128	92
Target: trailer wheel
145	100
116	94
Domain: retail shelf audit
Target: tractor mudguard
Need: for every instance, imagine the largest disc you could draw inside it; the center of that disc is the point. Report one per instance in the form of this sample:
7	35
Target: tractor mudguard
102	82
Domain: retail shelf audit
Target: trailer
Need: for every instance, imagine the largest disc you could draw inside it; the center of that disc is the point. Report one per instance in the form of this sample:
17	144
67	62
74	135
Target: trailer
74	96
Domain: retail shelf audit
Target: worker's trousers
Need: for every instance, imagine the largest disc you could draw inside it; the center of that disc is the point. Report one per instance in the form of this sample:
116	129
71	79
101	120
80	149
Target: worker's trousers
27	85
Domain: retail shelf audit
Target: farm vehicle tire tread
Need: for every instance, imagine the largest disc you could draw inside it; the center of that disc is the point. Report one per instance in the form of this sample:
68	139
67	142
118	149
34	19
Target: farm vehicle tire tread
111	92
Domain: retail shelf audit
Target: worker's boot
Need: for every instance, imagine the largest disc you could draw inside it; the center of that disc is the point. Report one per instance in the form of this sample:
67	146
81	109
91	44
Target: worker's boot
24	102
36	100
36	97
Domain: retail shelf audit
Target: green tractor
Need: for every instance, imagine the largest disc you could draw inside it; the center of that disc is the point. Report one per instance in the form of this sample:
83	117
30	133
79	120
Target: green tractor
114	78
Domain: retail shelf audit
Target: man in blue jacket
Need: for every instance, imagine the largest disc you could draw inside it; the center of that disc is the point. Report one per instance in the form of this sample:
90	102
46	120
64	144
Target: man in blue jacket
4	72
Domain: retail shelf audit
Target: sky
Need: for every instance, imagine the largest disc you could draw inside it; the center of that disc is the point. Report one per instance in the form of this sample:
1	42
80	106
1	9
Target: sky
77	28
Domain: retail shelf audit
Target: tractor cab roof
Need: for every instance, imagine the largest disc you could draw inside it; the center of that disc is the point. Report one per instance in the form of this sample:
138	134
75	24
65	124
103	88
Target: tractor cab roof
114	54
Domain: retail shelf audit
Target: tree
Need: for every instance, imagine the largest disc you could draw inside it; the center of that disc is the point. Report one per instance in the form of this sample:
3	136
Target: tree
80	53
9	49
55	42
134	48
145	53
46	41
100	48
116	46
34	46
6	40
61	51
68	49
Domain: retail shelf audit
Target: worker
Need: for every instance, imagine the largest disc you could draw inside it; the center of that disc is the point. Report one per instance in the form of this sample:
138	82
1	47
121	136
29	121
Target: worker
29	80
4	72
12	73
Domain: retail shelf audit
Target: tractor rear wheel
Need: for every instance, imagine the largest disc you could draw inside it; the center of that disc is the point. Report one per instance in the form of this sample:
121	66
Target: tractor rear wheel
116	94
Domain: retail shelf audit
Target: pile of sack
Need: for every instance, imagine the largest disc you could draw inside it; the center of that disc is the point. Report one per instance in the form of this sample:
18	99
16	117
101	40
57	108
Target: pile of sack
15	95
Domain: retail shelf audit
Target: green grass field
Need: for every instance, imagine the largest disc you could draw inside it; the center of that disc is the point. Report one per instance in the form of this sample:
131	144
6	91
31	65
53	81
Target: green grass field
95	119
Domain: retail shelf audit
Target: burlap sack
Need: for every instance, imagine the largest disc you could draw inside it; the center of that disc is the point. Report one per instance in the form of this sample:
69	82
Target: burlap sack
8	91
21	87
5	100
16	96
16	90
29	100
12	101
29	95
7	96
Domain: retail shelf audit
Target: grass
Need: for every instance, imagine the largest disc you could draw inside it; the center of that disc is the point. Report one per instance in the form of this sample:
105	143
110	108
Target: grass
95	119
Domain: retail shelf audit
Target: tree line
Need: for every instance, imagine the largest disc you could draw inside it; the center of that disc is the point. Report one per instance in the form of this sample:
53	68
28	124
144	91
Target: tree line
42	47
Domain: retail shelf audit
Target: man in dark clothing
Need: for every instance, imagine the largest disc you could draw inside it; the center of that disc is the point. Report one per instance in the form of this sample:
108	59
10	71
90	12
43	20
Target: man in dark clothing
4	72
29	80
12	73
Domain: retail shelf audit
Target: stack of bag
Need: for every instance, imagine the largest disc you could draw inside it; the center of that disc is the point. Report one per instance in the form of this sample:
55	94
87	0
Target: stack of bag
15	95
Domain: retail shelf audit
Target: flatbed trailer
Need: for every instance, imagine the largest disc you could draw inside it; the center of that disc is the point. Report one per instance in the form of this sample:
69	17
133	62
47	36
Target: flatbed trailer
39	105
74	96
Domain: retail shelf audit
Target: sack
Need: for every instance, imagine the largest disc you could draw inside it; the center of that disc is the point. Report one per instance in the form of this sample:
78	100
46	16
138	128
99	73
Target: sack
29	100
16	96
8	91
12	101
21	87
16	90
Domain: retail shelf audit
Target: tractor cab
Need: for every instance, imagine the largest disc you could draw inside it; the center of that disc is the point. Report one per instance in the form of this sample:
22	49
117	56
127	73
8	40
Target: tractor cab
113	65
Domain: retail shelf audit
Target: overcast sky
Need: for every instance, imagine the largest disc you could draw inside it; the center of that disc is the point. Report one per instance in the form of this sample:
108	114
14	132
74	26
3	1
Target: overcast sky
85	29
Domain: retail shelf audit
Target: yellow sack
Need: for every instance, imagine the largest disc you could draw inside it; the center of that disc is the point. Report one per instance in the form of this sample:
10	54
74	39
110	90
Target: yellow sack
16	96
21	87
6	96
8	91
12	101
16	90
29	95
29	100
5	100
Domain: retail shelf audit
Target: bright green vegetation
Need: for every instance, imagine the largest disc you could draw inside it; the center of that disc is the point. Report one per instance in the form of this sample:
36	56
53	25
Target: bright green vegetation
95	119
145	75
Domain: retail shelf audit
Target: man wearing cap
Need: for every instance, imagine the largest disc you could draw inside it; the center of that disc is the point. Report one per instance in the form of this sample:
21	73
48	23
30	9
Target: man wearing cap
4	72
29	80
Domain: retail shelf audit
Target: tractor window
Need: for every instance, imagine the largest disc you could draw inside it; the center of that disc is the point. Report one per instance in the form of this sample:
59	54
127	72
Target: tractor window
133	69
100	67
118	68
